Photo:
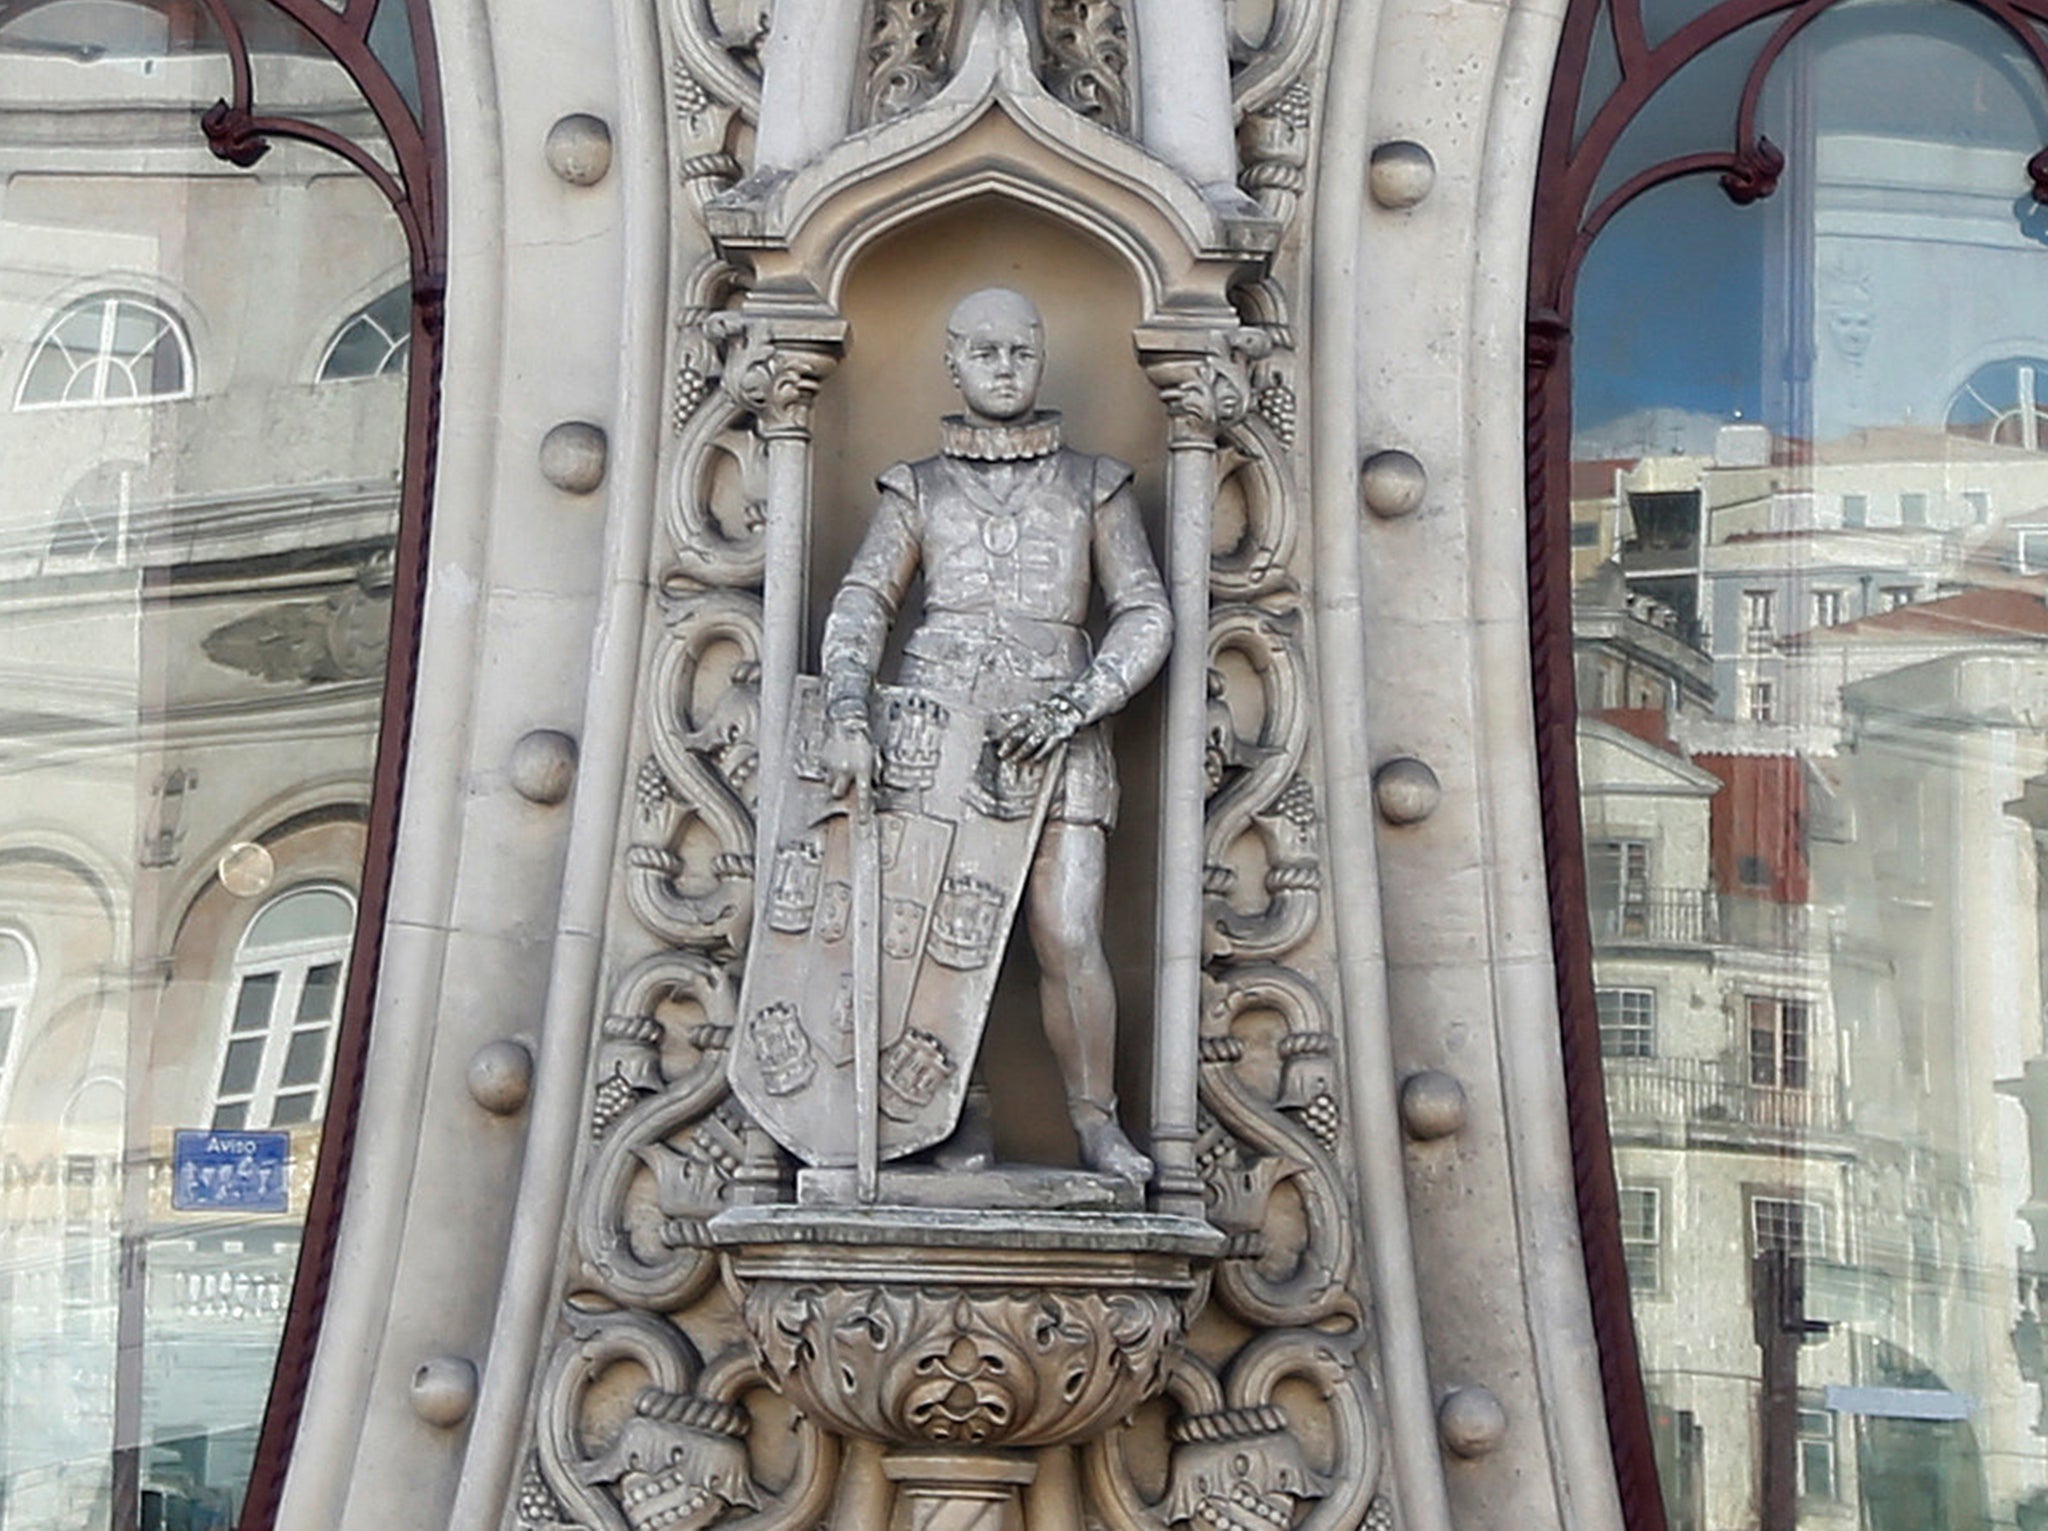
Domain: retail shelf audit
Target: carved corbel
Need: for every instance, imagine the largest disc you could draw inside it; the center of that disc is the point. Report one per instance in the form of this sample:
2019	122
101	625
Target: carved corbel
1203	378
774	372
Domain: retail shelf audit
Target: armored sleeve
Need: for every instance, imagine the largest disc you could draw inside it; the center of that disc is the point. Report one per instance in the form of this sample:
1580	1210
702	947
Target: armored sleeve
857	629
1140	619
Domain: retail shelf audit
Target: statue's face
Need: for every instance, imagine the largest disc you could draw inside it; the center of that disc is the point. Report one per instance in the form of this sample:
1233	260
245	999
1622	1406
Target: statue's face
998	361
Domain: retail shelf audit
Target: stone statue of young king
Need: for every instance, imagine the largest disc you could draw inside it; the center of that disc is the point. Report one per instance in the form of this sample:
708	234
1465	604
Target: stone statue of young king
1012	531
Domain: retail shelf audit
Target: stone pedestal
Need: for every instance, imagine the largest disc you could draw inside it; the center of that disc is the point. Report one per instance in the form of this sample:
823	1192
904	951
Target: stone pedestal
961	1339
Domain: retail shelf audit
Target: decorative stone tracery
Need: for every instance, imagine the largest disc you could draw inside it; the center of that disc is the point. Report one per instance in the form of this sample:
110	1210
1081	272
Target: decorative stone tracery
645	1417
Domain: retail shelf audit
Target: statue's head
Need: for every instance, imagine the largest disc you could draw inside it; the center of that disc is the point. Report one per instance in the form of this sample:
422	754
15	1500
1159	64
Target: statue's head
995	349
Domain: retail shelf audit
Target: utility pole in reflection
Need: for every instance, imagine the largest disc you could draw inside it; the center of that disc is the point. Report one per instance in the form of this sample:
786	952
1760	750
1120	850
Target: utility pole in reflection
1777	1298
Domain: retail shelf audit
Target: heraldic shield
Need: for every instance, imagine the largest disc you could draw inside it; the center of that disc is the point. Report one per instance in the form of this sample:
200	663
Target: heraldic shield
956	828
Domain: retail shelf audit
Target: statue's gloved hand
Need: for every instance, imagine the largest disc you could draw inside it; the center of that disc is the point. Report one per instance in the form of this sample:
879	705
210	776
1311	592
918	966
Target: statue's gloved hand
1035	730
848	753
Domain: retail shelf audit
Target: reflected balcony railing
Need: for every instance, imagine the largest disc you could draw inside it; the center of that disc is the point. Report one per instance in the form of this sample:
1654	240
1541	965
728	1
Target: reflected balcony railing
1658	917
1708	1093
1703	917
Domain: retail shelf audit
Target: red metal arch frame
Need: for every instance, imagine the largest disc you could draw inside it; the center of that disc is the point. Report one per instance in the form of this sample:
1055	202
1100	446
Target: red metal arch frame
239	133
1566	223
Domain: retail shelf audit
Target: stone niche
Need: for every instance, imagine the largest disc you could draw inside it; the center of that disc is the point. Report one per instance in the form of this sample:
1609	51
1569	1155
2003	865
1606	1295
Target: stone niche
882	406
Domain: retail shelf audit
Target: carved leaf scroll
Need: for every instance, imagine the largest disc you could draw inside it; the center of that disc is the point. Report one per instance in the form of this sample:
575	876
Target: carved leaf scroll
906	55
1088	58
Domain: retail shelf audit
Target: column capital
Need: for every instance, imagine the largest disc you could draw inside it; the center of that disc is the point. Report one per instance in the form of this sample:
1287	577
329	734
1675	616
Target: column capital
1203	376
775	366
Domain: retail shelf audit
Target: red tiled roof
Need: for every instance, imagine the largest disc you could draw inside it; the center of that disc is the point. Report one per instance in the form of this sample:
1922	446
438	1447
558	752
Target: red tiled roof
1987	614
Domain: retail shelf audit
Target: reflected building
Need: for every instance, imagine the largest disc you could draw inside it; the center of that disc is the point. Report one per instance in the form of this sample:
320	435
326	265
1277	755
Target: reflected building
202	428
1811	668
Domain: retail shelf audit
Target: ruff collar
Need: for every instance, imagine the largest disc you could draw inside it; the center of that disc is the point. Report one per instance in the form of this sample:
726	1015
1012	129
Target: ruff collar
1016	442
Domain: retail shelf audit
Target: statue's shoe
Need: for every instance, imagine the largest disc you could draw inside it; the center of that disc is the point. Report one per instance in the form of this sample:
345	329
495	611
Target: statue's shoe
1106	1150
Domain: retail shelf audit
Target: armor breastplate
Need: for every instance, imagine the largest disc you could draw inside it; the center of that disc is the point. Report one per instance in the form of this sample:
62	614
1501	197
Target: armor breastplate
1009	538
1007	552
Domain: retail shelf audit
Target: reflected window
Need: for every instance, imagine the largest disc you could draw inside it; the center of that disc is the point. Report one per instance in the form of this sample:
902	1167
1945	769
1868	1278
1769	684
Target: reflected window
376	339
287	996
2004	403
1642	1236
1787	1225
1816	1452
1780	1041
112	348
1628	1023
1618	883
17	987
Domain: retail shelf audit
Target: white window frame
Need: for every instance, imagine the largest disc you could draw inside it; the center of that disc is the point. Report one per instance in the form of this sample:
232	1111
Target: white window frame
1631	886
292	963
1813	1222
1617	1023
1816	1432
15	997
102	361
365	317
1759	620
1782	1066
1642	1239
1829	603
1760	701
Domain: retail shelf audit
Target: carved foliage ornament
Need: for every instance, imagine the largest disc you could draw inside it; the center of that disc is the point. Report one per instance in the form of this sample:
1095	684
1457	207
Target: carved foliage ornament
1088	58
964	1365
906	55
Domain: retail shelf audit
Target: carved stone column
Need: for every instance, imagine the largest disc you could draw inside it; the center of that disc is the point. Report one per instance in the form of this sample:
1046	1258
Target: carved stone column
1200	375
1184	108
775	373
812	67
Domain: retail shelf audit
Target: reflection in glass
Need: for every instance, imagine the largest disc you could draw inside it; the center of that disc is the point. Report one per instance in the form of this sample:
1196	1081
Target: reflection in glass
195	594
1809	506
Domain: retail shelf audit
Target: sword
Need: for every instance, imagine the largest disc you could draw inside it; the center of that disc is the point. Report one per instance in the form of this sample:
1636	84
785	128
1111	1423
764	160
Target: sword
867	991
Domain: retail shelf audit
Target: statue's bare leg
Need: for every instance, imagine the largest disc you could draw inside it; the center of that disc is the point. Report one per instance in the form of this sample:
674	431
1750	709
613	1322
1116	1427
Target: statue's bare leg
1077	996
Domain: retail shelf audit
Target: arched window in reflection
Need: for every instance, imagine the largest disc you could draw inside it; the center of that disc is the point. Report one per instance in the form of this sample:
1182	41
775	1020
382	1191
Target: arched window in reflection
111	348
2005	403
17	988
286	999
375	340
1789	384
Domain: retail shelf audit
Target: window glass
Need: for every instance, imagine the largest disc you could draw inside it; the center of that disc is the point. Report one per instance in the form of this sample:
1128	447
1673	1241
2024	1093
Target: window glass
1809	443
375	340
111	349
195	603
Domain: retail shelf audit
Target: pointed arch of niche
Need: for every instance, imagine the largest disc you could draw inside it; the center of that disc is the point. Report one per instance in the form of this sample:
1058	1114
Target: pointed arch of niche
1609	69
